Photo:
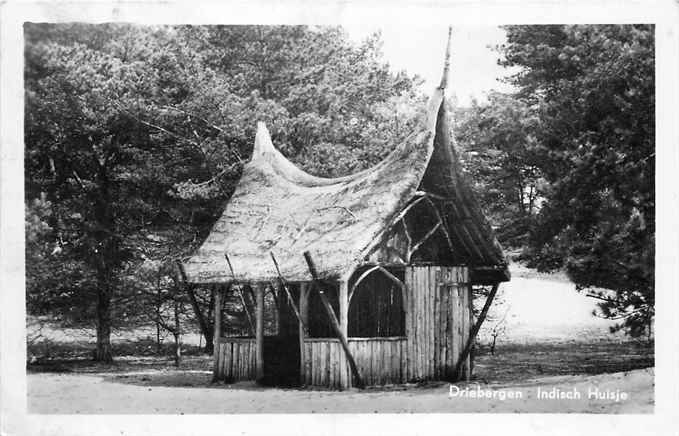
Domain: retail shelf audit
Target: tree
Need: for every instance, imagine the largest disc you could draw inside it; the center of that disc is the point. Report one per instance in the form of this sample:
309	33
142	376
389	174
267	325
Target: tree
136	136
592	89
498	141
103	172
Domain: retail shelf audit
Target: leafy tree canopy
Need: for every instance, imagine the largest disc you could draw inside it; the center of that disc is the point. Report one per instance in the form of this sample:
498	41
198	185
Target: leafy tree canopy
592	91
136	136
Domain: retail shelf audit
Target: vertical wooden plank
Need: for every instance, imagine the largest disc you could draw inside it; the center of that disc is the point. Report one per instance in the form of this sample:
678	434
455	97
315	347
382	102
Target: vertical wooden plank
311	363
428	330
440	332
365	364
402	363
219	352
383	361
330	362
373	363
417	318
343	295
460	321
217	329
304	315
259	330
401	368
228	354
253	361
437	321
245	347
449	330
411	337
421	343
380	362
374	353
314	365
455	323
241	359
389	358
322	356
236	361
242	349
222	361
442	328
453	327
248	359
430	322
465	320
337	367
420	322
396	362
307	363
469	320
434	324
379	376
406	304
408	320
391	363
365	345
317	363
393	367
425	322
228	360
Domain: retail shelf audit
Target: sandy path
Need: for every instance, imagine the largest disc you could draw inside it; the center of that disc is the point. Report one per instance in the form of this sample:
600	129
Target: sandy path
67	393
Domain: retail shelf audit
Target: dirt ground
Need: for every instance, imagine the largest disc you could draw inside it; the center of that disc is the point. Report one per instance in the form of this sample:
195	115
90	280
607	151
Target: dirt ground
549	343
145	393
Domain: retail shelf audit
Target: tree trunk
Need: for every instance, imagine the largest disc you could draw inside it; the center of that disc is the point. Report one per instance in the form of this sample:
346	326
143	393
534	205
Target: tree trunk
177	335
158	304
103	352
106	257
203	323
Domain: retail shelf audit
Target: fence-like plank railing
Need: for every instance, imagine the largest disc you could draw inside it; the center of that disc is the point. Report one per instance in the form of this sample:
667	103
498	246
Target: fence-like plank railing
381	361
236	359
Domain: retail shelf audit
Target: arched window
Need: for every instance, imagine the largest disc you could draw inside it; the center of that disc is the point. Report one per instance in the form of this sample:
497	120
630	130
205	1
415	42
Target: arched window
376	308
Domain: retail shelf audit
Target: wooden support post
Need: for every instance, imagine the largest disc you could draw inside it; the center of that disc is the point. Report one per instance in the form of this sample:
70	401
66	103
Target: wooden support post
345	379
475	331
333	321
304	321
259	330
217	333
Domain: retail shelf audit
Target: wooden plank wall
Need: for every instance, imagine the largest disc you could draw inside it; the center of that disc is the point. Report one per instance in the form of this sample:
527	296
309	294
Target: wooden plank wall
438	321
380	361
236	359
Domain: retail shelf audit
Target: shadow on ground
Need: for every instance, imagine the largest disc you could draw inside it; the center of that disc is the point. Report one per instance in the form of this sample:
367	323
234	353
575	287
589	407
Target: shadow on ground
517	362
511	363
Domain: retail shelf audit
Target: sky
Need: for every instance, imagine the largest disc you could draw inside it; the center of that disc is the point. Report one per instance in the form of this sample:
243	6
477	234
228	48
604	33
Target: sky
421	50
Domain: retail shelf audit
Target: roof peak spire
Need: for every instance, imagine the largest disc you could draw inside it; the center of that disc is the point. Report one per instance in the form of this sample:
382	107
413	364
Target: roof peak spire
446	64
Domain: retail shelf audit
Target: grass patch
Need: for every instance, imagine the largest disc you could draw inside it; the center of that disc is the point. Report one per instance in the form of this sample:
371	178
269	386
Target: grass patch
516	362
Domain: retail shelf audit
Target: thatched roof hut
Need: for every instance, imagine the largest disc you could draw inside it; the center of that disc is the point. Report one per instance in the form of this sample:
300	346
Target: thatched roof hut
396	249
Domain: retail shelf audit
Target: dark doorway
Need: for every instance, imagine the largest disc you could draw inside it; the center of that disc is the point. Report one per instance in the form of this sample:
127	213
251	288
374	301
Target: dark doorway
281	343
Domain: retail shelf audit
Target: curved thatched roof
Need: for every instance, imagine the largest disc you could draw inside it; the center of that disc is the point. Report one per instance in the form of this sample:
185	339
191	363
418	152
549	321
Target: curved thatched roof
279	208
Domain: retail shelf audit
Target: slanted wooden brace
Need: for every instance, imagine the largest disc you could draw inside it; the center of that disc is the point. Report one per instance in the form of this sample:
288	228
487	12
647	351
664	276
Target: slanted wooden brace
339	326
